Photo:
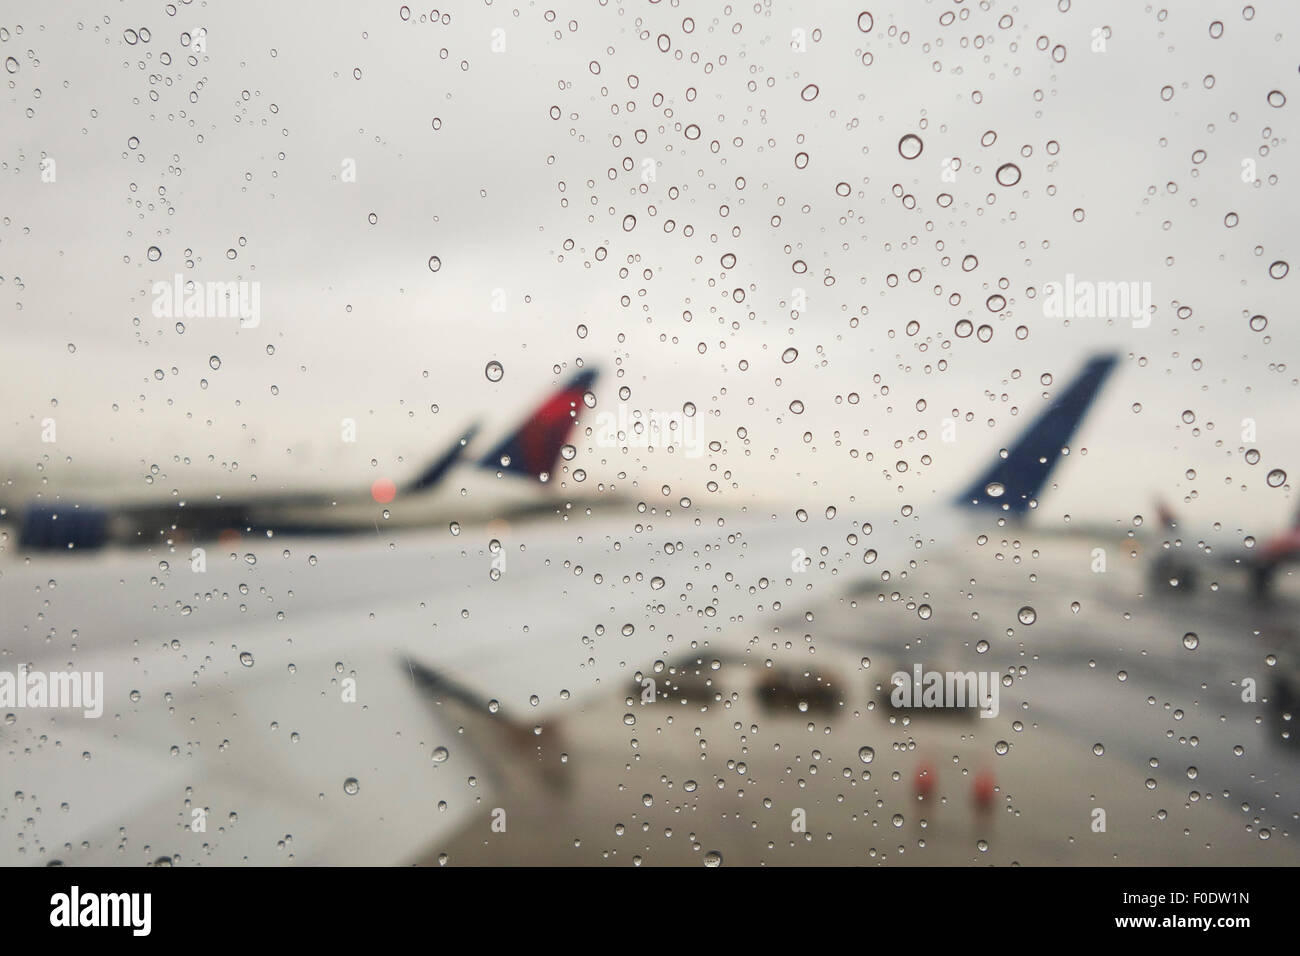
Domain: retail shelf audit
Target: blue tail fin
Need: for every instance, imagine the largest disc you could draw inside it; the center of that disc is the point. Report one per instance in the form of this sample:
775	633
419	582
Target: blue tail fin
1014	481
534	447
442	464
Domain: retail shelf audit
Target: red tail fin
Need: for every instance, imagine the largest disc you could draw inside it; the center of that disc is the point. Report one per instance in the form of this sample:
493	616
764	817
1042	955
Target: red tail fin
534	447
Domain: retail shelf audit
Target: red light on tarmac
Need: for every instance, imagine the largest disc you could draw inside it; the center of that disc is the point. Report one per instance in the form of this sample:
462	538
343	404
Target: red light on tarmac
383	491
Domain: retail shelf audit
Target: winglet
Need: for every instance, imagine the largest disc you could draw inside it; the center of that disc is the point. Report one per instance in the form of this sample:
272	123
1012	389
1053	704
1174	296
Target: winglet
534	447
1013	481
442	464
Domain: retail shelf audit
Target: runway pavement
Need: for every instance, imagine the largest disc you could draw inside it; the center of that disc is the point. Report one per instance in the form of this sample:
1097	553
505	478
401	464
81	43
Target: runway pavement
508	721
1110	710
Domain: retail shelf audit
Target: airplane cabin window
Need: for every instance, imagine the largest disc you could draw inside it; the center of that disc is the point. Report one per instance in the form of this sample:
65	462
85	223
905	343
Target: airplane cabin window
649	434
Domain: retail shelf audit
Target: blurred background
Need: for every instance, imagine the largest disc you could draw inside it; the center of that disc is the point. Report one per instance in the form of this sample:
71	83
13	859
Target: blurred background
820	243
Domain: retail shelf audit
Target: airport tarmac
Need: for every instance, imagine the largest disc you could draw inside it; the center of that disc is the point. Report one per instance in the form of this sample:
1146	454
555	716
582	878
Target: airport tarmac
1112	712
504	721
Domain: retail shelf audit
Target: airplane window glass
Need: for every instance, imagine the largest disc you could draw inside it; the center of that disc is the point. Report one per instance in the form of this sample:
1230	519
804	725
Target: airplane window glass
648	433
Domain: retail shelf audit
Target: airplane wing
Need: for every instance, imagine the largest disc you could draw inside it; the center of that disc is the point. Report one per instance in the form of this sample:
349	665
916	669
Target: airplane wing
214	702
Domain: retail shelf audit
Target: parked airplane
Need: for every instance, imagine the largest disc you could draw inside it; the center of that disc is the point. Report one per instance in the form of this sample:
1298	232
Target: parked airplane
1180	563
531	451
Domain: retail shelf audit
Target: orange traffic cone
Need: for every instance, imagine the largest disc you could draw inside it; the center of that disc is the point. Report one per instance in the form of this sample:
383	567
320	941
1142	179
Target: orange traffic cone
983	790
924	781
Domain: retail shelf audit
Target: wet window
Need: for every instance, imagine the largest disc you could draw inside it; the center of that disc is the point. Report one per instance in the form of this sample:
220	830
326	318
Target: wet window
662	434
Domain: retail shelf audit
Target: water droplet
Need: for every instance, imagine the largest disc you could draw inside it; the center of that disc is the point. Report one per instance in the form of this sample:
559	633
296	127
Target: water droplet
910	146
1008	174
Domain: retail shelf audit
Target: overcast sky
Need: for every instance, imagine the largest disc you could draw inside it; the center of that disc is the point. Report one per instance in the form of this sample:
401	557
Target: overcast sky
233	162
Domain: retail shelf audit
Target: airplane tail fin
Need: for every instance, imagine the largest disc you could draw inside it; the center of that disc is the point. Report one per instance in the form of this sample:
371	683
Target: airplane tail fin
534	447
1016	477
442	464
